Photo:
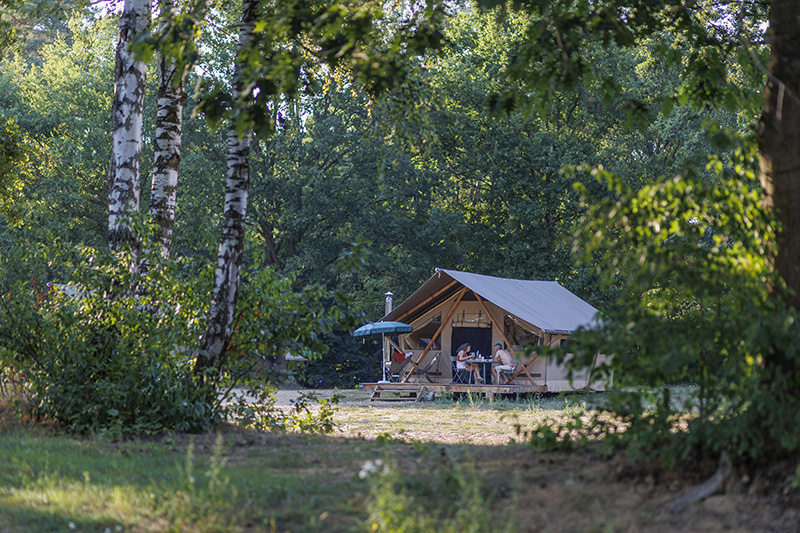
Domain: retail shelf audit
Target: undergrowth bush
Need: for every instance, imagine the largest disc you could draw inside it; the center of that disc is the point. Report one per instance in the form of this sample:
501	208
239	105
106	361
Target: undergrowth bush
256	408
699	306
111	351
101	353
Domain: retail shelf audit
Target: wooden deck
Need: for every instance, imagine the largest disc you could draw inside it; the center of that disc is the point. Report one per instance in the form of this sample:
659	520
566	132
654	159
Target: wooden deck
389	391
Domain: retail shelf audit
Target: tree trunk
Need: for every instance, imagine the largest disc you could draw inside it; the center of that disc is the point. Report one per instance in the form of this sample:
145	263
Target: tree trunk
167	160
779	147
229	256
126	117
779	140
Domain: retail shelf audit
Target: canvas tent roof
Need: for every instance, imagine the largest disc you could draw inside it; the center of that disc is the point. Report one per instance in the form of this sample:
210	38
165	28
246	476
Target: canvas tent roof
544	304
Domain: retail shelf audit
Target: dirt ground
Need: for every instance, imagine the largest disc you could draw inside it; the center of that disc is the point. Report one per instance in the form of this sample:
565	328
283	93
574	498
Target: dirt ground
579	491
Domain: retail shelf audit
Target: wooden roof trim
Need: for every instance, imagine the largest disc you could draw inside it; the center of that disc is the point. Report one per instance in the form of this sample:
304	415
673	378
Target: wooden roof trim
436	335
425	301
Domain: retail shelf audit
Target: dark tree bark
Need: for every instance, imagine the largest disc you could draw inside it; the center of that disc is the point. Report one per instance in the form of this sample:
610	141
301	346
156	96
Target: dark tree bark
779	151
779	139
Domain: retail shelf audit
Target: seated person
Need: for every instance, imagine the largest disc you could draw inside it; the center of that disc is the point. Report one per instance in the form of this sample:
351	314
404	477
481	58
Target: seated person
464	361
502	361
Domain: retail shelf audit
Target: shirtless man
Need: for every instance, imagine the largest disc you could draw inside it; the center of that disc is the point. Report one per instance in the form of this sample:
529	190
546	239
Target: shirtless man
502	361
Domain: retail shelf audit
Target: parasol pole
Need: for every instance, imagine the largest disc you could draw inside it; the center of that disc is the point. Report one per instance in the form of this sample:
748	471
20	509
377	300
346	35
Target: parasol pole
388	309
383	364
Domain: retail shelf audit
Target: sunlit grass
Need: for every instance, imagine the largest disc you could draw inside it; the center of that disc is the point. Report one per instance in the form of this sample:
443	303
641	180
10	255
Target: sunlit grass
54	483
248	480
58	483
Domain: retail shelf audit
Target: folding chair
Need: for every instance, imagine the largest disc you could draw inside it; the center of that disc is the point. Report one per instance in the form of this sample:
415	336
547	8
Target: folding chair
395	365
459	376
508	373
423	371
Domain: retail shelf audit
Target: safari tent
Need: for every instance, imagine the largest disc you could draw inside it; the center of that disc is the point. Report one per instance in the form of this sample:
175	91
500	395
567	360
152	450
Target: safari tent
454	307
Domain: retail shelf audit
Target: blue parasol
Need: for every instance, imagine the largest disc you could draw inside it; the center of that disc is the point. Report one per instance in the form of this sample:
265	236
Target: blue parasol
381	328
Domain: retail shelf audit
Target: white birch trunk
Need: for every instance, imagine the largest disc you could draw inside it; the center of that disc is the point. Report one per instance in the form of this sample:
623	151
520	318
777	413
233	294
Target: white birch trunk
231	245
124	172
167	150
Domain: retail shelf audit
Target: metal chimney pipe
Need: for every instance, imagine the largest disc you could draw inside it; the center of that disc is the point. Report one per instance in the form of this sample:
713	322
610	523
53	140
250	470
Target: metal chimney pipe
388	302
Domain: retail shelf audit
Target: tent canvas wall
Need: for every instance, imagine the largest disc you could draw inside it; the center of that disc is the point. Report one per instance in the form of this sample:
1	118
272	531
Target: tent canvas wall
453	307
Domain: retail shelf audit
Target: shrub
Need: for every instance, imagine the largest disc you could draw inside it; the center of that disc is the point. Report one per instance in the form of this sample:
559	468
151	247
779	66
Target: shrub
111	351
102	353
690	256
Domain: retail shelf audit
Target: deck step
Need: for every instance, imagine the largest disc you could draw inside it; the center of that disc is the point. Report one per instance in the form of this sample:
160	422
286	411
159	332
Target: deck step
422	391
411	394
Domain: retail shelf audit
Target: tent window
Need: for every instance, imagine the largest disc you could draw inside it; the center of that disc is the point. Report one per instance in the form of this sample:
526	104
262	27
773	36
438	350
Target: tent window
423	342
472	320
518	335
422	334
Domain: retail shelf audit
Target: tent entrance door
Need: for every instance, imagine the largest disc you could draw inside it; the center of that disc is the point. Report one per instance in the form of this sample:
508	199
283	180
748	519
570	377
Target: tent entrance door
479	338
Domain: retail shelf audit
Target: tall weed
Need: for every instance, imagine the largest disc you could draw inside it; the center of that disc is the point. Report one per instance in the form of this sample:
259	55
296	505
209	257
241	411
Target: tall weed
452	499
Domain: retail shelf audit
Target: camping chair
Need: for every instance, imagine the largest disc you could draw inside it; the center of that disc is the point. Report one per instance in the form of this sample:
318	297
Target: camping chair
459	376
507	373
395	365
423	371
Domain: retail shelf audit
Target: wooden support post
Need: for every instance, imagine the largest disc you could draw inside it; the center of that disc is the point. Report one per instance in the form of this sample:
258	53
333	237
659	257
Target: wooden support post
591	371
435	336
523	366
394	345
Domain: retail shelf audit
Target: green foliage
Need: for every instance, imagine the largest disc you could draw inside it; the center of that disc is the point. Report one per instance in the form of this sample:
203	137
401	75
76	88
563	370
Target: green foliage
293	42
691	258
254	406
502	177
273	318
111	351
61	102
349	362
25	23
556	54
101	357
337	178
688	255
454	498
12	157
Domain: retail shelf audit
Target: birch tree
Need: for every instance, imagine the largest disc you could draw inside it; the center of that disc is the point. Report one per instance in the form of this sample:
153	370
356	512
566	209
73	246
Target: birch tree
168	139
127	121
231	245
280	45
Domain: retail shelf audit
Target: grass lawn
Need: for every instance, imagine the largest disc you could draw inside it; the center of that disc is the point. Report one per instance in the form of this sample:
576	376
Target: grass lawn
437	466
